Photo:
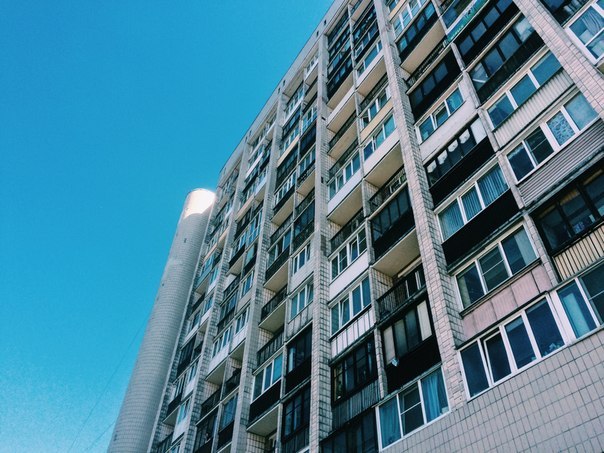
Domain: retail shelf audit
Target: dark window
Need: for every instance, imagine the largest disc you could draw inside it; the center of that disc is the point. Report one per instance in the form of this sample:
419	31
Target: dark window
360	436
205	431
299	349
476	377
388	216
296	413
573	212
408	332
563	10
354	371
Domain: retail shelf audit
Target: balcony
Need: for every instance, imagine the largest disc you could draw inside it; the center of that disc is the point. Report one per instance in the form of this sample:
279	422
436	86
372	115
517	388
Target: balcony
236	260
225	435
225	320
509	68
386	233
231	383
303	235
482	226
346	231
344	411
420	38
269	349
174	403
272	315
264	411
284	207
340	143
298	375
211	402
401	296
409	366
389	189
205	448
297	441
276	274
280	231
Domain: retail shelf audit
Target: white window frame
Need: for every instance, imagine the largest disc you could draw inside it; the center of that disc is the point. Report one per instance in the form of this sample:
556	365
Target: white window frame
347	248
285	187
270	367
377	104
247	283
379	132
370	57
583	46
241	320
301	258
307	160
309	117
431	115
411	14
301	299
192	371
294	102
348	300
345	173
183	411
222	341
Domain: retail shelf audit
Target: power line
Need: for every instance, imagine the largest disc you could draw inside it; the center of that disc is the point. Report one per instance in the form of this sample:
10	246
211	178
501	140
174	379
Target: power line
100	436
107	386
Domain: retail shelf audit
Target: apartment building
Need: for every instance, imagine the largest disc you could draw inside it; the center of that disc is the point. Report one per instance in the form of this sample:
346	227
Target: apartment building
406	250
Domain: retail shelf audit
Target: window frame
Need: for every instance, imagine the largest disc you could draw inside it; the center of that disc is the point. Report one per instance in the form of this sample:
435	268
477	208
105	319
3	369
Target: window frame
348	299
262	375
379	131
431	115
599	9
360	238
301	258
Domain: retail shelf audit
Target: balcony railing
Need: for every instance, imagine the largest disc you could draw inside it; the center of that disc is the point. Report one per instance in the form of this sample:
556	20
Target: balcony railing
298	375
279	204
276	265
232	383
265	401
427	18
410	365
342	130
438	50
231	288
345	410
236	255
308	138
454	9
267	351
285	170
164	445
225	435
281	230
303	235
346	231
211	402
395	232
387	190
225	320
373	93
343	160
272	304
205	448
401	295
304	203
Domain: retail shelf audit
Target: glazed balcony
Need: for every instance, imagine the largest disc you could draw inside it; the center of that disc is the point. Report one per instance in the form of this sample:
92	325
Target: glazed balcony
264	411
401	296
211	402
272	315
276	273
298	375
346	231
231	383
225	435
269	349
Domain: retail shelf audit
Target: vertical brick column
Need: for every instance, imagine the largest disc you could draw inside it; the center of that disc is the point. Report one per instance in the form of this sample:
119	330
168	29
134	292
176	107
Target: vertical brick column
441	291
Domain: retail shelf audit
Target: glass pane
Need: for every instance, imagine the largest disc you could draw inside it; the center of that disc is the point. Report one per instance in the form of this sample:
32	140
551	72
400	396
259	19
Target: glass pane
356	300
479	76
470	287
500	111
545	68
492	185
441	115
474	369
518	251
576	310
539	145
520	343
435	396
523	29
588	25
492	61
560	128
454	101
523	90
594	285
493	268
413	333
580	111
554	228
498	358
451	220
594	187
577	213
508	45
412	416
426	128
544	328
520	162
471	203
389	422
277	368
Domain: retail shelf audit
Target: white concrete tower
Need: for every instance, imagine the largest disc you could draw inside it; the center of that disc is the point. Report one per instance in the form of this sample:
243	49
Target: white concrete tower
142	402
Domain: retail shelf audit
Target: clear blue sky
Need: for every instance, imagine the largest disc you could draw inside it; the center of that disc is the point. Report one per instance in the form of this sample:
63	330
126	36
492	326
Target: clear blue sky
110	112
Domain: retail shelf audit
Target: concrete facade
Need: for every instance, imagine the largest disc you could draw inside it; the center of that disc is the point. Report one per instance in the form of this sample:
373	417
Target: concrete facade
406	248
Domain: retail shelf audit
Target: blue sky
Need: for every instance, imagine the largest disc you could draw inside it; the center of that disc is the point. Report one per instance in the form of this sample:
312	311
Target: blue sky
110	112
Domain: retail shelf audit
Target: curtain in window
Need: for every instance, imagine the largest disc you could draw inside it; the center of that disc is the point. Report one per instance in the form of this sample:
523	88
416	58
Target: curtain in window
492	185
389	422
435	397
451	220
576	310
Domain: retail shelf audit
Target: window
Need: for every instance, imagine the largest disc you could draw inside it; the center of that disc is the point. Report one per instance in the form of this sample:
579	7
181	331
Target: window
573	212
208	303
391	4
241	320
440	114
513	98
299	350
306	161
375	50
406	14
374	107
221	342
349	253
309	117
583	301
296	413
294	101
183	411
344	174
301	259
351	305
575	116
192	372
506	259
455	151
228	412
589	29
178	386
481	194
358	436
354	371
268	376
175	449
284	189
415	31
289	138
281	246
407	333
511	347
501	52
387	219
301	299
378	137
247	283
195	321
418	404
